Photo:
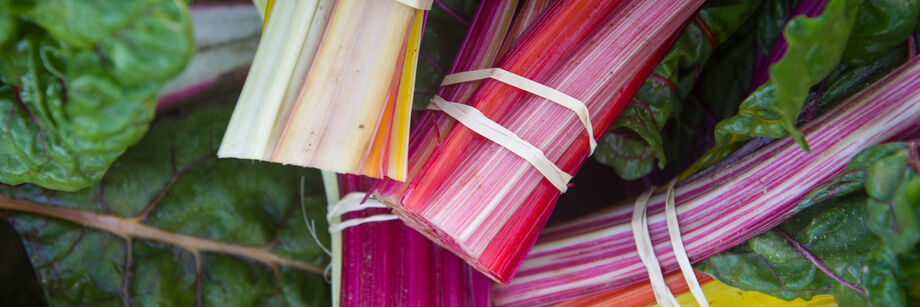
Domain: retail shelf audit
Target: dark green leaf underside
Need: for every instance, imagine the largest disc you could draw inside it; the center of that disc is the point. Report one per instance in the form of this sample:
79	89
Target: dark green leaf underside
172	181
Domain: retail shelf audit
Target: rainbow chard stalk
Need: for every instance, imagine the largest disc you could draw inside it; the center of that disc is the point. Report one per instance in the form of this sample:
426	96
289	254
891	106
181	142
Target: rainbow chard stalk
720	208
487	204
330	87
388	264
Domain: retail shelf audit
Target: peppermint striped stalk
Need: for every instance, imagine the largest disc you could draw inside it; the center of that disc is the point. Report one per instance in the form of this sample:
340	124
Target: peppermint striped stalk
720	208
486	204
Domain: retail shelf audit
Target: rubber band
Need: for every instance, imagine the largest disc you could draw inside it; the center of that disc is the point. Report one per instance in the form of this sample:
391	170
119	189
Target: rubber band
533	87
680	253
351	203
647	253
358	221
355	201
479	123
418	4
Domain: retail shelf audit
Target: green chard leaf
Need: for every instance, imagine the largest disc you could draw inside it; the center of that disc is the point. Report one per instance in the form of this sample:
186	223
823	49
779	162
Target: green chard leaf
172	225
634	142
882	279
846	80
853	177
893	185
78	83
8	25
881	25
726	79
815	46
861	226
771	264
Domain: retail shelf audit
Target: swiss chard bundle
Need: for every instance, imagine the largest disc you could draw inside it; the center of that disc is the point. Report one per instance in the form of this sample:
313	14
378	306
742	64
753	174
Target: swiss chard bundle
331	87
79	83
482	201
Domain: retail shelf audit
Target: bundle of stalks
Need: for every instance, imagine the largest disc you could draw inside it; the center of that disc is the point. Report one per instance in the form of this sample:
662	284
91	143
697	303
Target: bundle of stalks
486	203
331	87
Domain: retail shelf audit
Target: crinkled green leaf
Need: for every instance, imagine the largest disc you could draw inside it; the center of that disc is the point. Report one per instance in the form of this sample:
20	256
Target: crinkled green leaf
630	156
881	279
908	276
634	141
880	26
173	182
78	84
893	185
726	79
814	49
443	35
853	177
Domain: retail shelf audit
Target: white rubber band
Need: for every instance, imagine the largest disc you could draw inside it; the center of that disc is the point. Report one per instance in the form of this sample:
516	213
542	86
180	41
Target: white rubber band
479	123
352	203
677	243
358	221
647	252
532	87
418	4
